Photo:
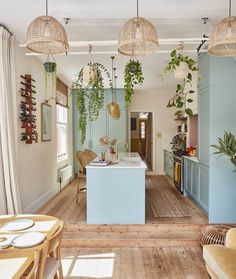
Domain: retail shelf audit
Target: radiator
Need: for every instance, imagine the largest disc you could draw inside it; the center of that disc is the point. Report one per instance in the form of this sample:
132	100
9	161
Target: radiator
64	174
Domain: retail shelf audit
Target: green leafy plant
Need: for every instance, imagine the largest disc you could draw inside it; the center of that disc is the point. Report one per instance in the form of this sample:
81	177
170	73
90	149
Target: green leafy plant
133	76
227	147
90	97
182	96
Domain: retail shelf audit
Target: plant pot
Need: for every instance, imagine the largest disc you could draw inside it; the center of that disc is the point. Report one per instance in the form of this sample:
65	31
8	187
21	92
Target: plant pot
90	74
50	67
181	71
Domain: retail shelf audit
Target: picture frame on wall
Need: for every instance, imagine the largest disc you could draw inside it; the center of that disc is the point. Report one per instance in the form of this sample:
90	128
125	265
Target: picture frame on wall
46	122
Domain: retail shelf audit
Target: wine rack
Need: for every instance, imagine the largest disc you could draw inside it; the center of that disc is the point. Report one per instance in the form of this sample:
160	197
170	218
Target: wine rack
27	110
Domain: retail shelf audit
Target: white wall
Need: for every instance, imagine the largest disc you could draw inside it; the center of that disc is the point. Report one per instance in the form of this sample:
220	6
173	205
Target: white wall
164	125
37	161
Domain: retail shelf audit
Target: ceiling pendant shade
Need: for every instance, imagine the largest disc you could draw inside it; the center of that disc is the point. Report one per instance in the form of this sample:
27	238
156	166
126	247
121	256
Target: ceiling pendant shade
138	37
223	38
46	35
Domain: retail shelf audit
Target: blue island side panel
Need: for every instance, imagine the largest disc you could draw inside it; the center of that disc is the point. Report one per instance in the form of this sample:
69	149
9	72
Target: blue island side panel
115	195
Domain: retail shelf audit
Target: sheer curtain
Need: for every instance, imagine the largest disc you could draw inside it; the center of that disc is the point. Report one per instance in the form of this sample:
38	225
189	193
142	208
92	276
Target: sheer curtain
9	193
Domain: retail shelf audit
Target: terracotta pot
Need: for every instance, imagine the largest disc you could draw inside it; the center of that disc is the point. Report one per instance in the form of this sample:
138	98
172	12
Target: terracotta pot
181	71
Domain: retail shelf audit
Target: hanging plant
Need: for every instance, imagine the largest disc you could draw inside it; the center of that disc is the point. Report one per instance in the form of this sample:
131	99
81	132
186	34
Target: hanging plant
50	76
133	76
90	96
183	66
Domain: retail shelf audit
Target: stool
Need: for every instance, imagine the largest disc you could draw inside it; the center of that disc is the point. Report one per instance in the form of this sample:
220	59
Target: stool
214	234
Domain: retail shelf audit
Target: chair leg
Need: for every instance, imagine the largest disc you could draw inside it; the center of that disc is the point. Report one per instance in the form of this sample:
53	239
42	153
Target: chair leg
77	192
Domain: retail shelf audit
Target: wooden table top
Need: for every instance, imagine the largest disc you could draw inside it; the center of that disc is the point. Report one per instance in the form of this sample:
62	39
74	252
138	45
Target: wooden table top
19	259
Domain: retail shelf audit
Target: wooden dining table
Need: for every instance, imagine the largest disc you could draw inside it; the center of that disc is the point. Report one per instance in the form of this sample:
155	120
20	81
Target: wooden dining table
15	261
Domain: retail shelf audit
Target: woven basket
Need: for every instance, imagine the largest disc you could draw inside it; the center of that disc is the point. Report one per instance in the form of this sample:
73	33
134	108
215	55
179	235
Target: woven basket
141	43
222	42
54	42
214	234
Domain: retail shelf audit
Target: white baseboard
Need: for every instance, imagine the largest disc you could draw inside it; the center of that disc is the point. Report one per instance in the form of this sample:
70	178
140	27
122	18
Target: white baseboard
41	201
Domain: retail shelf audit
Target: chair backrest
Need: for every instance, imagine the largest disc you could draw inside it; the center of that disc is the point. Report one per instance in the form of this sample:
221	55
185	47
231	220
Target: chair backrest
33	272
51	246
84	158
230	240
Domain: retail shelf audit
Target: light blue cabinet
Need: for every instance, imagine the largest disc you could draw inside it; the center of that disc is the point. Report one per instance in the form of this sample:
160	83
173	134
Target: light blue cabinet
196	183
217	99
105	125
168	163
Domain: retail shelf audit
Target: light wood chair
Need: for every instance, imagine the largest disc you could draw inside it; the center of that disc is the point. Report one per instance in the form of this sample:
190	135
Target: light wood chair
83	159
50	265
32	271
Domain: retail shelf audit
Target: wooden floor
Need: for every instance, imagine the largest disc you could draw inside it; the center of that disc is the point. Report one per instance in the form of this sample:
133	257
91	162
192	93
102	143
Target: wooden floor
64	207
134	263
162	248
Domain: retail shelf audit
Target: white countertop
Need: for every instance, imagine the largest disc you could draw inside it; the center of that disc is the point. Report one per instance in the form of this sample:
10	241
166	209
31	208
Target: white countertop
124	164
192	158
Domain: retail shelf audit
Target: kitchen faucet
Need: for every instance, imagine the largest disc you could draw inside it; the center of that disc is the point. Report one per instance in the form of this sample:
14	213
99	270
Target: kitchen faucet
118	142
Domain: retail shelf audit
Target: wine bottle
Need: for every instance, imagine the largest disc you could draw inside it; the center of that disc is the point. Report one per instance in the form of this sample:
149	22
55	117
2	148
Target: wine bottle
25	137
24	112
25	106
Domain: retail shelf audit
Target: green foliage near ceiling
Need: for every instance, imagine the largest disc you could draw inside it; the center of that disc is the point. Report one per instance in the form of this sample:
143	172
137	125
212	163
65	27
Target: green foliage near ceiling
90	97
133	76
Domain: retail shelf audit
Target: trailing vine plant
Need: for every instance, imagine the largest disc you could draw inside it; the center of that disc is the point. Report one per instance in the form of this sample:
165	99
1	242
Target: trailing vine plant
90	97
182	96
133	75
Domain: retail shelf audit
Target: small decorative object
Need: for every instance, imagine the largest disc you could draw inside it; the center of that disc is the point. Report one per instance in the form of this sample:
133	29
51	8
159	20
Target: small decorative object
111	154
46	122
133	76
113	107
27	109
227	147
46	35
214	234
50	76
223	38
93	92
138	37
183	66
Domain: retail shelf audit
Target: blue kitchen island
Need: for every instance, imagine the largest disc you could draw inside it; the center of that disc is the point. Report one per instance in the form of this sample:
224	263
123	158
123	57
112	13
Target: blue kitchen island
116	193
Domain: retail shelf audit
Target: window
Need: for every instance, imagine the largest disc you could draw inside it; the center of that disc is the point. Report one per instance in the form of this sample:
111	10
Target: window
143	130
62	139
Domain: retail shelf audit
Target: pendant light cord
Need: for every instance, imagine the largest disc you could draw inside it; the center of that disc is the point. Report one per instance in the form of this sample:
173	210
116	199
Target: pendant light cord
46	7
137	9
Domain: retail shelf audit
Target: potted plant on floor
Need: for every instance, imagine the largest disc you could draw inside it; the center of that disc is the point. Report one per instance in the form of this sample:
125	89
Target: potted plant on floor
227	147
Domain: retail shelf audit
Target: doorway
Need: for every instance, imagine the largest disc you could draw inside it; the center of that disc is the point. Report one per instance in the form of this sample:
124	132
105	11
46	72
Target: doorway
141	136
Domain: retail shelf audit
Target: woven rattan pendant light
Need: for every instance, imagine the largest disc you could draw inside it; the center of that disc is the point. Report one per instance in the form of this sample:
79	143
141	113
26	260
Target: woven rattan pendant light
138	37
223	38
46	35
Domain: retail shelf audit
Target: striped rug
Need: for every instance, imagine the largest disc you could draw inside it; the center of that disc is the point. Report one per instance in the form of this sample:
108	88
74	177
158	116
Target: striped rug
166	201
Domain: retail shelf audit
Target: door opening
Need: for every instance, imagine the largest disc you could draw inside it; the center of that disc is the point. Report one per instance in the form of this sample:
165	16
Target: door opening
141	135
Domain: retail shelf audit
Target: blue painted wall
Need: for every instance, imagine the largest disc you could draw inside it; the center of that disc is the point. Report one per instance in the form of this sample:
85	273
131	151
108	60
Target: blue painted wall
105	125
217	109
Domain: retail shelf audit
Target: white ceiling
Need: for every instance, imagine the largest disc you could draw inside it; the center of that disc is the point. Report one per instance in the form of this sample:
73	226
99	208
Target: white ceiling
102	20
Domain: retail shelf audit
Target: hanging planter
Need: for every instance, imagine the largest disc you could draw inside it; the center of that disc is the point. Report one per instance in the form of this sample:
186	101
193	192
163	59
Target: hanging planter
89	74
90	96
182	66
50	76
181	71
133	76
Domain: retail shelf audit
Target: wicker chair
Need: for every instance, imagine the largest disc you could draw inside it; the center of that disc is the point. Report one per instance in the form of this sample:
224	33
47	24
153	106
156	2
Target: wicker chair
83	159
